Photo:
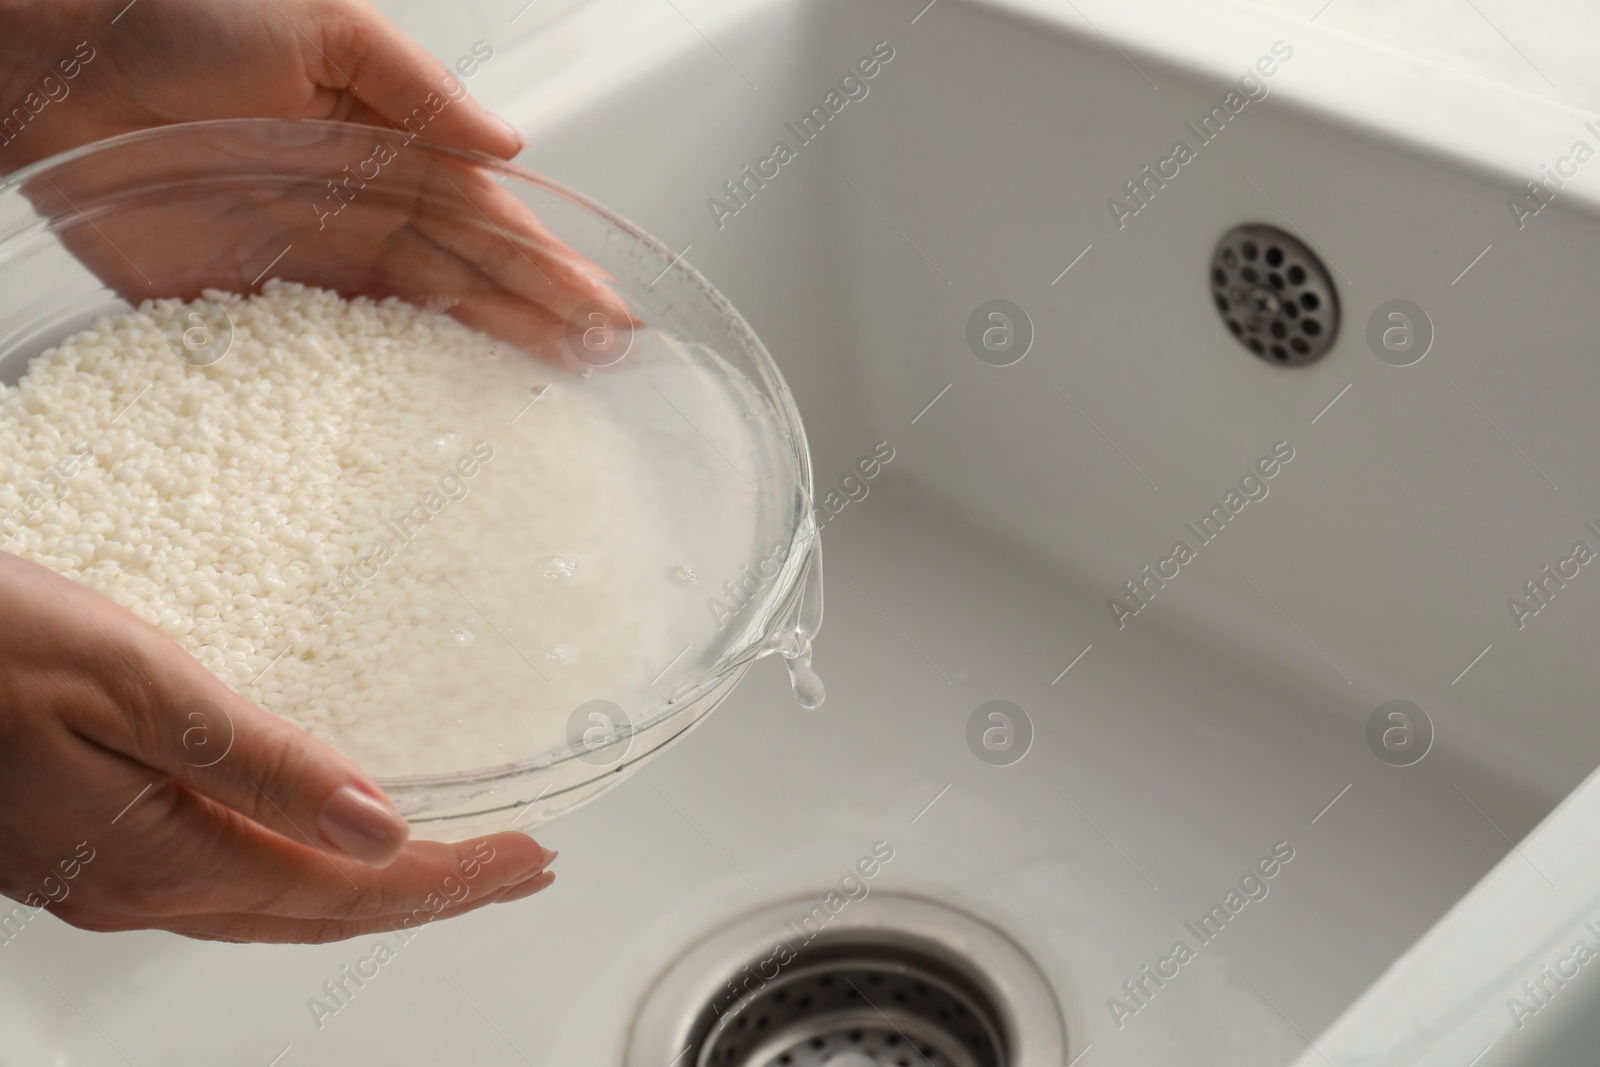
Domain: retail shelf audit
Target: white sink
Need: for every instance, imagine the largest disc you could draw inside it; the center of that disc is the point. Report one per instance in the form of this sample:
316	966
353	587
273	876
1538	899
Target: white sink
1226	719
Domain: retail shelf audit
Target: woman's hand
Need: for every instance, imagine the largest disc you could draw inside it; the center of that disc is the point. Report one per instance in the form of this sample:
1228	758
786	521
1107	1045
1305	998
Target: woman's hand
138	791
377	215
156	62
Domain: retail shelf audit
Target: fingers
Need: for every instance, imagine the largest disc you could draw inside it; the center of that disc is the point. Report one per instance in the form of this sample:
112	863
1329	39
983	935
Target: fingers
397	79
536	284
162	852
417	268
217	744
179	854
159	708
528	326
427	227
270	930
512	246
241	928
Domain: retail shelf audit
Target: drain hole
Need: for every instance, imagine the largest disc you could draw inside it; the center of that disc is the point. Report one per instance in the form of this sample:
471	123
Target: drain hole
1286	311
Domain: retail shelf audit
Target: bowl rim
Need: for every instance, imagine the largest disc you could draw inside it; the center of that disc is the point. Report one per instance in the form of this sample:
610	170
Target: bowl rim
788	588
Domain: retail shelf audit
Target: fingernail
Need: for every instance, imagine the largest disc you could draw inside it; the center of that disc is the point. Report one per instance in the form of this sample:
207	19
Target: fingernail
537	869
362	827
515	133
527	889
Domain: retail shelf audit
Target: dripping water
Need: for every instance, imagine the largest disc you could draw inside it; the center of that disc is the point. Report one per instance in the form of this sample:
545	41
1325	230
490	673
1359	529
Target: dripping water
795	647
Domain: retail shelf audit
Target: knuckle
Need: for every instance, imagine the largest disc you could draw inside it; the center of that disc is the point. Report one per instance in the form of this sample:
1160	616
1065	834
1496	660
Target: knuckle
347	30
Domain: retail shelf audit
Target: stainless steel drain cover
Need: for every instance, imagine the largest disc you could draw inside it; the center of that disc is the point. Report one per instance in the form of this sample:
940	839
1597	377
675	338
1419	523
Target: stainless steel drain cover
871	1006
868	1048
1274	294
887	981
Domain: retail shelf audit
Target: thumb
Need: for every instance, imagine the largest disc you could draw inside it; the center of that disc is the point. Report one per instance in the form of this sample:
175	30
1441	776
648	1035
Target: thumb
277	775
139	694
193	728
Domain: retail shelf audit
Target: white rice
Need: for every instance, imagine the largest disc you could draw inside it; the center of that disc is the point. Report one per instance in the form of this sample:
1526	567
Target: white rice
341	520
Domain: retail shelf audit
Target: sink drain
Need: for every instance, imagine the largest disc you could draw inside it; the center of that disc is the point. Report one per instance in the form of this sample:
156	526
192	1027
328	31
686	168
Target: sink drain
1274	294
871	1005
889	981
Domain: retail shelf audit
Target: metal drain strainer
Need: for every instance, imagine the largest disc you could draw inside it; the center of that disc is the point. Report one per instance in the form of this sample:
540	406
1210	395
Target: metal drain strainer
885	981
889	1008
1274	294
861	1048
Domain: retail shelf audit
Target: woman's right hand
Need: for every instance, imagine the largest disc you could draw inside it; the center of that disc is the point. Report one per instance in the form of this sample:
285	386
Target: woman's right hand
138	791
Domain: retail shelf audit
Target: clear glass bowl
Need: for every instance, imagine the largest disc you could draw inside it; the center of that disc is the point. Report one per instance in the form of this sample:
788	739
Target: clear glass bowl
168	213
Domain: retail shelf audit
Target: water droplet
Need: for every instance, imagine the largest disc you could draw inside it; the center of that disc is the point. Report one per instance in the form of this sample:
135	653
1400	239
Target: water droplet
456	637
588	372
686	573
557	569
807	683
749	414
795	647
443	440
557	655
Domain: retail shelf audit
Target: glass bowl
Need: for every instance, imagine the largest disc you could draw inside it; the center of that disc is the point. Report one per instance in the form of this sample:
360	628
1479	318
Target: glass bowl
234	206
